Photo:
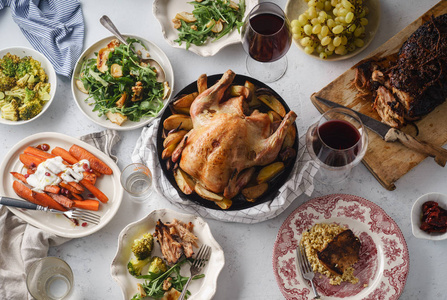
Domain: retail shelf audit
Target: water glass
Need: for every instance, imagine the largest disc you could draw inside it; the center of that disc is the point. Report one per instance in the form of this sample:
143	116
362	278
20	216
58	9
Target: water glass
49	278
136	180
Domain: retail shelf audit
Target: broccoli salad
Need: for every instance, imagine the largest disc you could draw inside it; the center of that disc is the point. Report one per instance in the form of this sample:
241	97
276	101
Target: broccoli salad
24	87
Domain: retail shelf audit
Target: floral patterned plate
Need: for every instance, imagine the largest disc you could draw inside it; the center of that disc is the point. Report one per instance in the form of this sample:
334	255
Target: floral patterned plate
384	262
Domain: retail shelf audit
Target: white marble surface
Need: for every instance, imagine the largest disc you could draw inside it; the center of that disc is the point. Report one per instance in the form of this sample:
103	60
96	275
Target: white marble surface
248	248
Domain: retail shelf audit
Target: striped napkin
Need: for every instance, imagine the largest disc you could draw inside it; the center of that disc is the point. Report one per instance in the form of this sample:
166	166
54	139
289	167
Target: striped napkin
53	27
21	243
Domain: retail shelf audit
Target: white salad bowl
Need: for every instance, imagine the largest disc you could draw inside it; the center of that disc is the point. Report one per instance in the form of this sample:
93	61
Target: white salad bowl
46	65
416	214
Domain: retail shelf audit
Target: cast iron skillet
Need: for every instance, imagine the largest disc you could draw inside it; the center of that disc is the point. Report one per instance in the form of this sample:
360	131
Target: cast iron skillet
239	201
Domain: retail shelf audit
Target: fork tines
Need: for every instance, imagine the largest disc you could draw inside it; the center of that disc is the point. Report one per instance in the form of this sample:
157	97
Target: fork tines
202	256
86	215
303	261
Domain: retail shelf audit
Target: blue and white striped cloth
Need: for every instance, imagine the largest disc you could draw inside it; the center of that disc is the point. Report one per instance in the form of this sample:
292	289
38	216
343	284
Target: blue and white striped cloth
53	27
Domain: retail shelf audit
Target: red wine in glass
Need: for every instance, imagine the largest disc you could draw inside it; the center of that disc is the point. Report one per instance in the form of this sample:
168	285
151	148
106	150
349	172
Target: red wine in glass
338	143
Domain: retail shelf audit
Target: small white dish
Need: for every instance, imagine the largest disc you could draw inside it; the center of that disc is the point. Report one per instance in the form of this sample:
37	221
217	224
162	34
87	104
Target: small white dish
46	65
416	214
296	7
203	289
165	10
86	107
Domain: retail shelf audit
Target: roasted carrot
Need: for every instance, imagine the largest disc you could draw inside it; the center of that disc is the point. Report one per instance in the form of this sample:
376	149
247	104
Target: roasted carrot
23	191
95	191
90	177
89	204
58	151
69	187
49	188
45	200
30	161
37	152
62	200
76	196
95	163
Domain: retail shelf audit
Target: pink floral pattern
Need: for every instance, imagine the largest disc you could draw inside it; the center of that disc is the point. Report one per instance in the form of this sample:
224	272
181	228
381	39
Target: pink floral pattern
383	276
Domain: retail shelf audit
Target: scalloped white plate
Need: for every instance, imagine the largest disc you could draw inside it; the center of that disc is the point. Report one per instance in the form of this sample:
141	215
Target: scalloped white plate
165	10
46	65
296	7
55	223
79	97
202	289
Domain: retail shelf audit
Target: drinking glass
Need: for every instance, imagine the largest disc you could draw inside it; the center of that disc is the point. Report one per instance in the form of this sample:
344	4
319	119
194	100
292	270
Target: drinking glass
266	37
49	278
136	180
337	143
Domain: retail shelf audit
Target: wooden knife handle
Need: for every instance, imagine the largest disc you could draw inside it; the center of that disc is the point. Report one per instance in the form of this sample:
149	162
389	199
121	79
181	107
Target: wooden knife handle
439	153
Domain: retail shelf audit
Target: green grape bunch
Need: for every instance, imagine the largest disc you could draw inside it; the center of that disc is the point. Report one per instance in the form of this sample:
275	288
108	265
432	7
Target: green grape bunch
331	27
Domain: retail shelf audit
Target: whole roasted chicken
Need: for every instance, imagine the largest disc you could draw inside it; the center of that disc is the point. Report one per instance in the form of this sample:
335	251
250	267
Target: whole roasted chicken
227	141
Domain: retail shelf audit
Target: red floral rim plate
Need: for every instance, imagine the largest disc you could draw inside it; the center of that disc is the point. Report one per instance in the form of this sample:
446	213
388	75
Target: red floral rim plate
384	261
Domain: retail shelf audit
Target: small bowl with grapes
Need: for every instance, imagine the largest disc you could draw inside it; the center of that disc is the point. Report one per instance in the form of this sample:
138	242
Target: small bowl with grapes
329	32
429	217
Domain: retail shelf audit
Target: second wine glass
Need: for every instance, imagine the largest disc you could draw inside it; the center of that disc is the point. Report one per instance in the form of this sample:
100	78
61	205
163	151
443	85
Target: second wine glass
266	37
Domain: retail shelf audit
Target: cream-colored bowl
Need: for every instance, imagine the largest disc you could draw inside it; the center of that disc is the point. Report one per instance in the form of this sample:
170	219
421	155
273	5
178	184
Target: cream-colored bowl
416	213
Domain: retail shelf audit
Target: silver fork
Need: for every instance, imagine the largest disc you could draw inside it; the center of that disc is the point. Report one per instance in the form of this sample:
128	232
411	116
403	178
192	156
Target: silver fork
80	214
202	257
306	268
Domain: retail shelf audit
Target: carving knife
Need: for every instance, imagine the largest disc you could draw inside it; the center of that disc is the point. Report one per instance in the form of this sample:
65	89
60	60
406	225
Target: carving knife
390	134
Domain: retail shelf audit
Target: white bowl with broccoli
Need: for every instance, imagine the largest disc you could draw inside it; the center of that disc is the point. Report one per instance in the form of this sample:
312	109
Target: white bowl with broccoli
27	85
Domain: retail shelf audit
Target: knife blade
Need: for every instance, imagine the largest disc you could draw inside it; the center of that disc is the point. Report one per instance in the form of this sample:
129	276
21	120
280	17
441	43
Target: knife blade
390	134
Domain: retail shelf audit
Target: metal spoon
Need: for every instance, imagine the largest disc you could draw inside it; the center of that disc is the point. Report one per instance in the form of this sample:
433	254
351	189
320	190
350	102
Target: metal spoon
108	24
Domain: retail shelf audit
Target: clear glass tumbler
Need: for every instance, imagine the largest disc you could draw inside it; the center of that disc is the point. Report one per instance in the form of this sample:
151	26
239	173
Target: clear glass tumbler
49	278
136	180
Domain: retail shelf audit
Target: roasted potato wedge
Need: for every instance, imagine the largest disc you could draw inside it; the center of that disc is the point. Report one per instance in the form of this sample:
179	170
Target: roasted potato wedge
253	100
240	90
273	103
269	171
205	194
174	138
274	116
185	101
289	140
167	152
255	191
178	121
225	203
202	83
184	181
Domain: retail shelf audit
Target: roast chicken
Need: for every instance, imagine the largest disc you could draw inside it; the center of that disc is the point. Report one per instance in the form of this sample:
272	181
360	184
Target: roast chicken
227	140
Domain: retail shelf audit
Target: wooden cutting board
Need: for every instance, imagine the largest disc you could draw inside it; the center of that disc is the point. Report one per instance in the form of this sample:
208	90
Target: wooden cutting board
390	161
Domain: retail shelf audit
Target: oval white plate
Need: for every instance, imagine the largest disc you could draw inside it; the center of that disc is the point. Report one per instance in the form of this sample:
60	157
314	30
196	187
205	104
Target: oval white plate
202	289
46	65
165	11
55	223
296	7
416	213
384	260
155	52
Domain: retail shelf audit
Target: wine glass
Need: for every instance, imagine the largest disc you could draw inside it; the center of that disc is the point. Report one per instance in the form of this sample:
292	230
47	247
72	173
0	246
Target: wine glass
336	143
266	37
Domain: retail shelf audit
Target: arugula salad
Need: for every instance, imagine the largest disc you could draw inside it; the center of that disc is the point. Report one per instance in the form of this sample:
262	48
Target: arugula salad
120	85
209	19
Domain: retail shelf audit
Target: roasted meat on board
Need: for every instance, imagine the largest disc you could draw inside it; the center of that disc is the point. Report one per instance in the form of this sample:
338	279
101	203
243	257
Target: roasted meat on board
412	85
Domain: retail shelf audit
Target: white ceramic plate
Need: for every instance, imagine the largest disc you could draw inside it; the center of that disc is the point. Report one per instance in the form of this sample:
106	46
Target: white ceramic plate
384	261
46	65
296	7
165	11
416	213
79	97
201	289
58	224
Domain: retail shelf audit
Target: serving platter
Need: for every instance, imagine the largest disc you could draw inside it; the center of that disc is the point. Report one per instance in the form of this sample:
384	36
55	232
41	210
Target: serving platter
165	11
46	65
384	259
432	128
294	8
55	223
87	109
239	201
203	289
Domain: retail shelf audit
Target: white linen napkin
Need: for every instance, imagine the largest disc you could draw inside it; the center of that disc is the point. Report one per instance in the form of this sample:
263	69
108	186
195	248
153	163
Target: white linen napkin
21	243
299	182
54	28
